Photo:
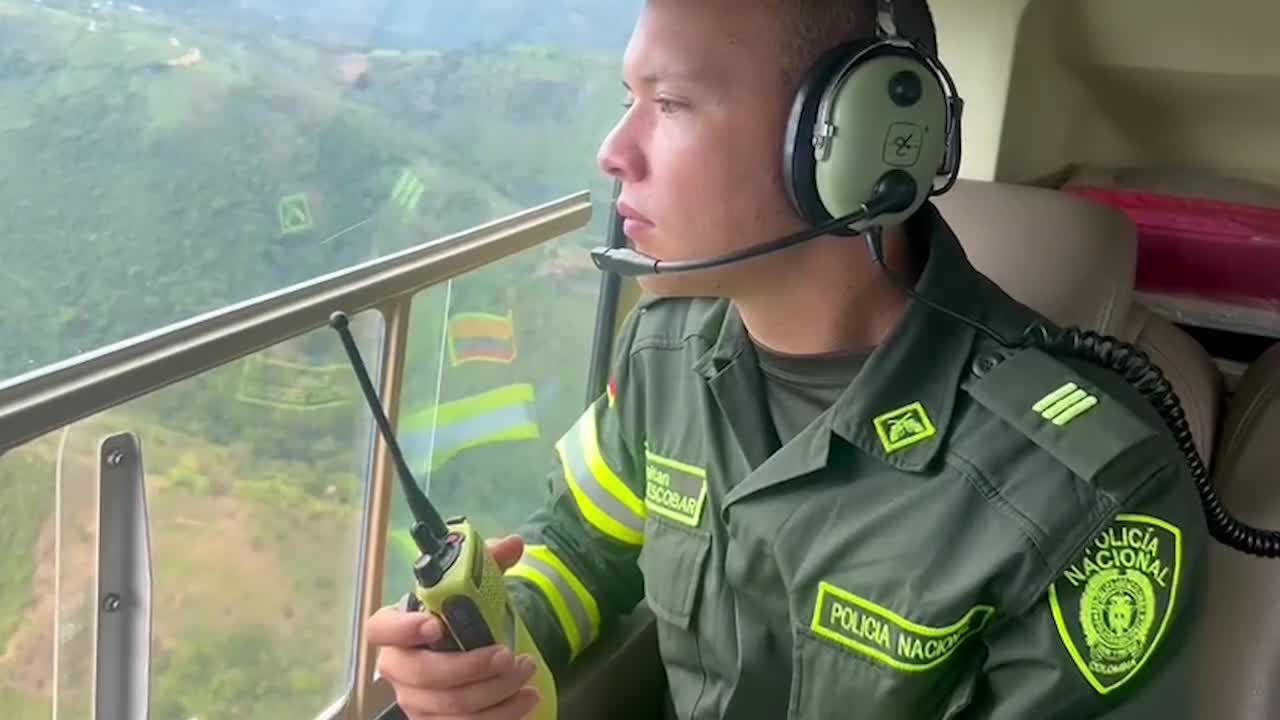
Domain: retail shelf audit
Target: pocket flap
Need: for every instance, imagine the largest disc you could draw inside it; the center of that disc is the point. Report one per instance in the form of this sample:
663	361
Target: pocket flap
673	560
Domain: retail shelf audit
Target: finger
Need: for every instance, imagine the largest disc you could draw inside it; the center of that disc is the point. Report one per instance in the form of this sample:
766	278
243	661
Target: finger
513	708
392	627
506	551
466	700
440	671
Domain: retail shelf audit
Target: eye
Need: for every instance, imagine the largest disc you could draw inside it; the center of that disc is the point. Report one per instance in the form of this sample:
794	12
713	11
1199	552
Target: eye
666	106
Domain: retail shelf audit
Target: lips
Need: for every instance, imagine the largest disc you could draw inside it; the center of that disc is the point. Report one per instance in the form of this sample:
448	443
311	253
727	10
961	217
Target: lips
629	213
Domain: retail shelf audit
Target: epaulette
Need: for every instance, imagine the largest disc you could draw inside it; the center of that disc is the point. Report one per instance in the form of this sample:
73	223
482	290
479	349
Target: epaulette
1059	409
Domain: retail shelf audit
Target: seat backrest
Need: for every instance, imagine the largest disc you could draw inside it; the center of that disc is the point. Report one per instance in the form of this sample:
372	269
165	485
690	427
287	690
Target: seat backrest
1190	370
1071	260
1074	261
1239	649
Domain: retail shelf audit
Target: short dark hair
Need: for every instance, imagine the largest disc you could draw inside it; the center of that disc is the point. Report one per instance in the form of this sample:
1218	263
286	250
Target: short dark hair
811	27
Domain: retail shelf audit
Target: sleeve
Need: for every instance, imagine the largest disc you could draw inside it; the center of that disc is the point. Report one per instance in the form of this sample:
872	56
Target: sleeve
1112	634
579	571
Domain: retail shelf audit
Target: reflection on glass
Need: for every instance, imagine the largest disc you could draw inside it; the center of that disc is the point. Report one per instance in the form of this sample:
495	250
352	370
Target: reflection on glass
496	371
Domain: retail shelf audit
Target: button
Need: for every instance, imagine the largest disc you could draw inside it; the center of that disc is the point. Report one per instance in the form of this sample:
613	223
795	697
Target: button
905	88
987	362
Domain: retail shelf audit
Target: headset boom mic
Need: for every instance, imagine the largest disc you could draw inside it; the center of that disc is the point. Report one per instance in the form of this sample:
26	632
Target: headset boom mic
894	193
624	261
630	263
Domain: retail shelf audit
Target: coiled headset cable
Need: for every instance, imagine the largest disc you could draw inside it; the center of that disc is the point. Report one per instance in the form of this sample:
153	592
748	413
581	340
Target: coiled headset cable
1136	367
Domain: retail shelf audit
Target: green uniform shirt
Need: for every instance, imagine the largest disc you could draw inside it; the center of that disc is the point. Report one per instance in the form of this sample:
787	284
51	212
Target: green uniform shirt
967	532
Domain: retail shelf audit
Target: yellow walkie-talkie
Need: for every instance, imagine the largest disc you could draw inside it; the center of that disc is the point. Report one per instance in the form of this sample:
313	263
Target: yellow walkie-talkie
457	578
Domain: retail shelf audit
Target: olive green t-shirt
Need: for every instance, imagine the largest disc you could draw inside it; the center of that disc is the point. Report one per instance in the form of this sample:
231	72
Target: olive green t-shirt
799	388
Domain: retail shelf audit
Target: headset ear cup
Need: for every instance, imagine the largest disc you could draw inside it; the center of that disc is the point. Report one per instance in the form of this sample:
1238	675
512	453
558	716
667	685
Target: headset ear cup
799	164
797	160
890	114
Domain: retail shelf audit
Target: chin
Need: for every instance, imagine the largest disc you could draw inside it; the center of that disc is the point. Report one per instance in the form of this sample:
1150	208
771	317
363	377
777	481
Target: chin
703	283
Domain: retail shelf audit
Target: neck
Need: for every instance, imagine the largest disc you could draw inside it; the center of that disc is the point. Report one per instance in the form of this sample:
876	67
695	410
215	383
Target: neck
830	299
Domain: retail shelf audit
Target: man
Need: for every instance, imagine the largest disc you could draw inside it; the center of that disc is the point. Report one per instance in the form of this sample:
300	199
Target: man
836	501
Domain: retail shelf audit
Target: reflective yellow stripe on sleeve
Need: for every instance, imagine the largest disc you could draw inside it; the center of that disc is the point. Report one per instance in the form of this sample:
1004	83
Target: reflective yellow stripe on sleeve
603	499
574	607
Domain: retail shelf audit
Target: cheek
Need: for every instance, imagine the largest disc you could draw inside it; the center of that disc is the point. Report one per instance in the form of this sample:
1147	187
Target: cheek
720	186
752	166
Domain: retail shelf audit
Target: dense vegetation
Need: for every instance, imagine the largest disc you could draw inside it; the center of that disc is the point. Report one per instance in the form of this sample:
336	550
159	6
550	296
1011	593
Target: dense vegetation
145	183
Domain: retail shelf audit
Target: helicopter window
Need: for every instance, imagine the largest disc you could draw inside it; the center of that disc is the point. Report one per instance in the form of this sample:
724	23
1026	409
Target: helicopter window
166	158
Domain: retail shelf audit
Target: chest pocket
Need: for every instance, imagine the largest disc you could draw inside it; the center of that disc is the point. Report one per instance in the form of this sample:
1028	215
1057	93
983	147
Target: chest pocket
673	561
676	544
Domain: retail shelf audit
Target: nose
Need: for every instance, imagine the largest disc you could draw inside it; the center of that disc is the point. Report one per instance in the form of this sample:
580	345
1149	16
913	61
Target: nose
621	156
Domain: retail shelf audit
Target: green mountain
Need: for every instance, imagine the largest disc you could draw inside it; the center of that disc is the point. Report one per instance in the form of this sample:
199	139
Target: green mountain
140	192
448	24
163	162
411	24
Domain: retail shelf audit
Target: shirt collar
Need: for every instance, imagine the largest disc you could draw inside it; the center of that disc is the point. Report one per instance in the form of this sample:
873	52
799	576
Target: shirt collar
900	406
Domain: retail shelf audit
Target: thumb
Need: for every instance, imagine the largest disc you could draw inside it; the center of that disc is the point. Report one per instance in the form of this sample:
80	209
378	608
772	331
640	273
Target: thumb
390	626
506	551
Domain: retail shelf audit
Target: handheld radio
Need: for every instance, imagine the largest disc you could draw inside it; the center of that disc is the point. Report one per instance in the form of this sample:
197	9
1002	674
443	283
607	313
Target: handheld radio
457	578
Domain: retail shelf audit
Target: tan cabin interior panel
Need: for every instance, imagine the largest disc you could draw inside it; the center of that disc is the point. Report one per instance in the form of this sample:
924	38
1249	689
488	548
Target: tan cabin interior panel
1055	85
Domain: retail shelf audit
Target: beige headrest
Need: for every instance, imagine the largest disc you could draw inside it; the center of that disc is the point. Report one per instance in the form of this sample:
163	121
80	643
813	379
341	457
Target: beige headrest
1069	258
1238	640
1248	453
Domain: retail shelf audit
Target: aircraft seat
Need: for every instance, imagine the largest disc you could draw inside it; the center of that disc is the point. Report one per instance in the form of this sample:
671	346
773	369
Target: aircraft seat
1075	262
1239	650
1190	370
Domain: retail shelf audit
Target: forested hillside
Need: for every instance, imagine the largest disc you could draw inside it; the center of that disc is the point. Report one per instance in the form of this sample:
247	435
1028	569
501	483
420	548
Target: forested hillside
138	193
162	160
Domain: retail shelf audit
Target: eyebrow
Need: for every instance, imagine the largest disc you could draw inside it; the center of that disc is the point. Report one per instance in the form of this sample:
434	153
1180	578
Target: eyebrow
703	79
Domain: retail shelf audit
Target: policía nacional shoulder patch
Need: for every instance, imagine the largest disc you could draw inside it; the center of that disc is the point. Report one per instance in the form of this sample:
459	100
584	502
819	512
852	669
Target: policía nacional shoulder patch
1113	603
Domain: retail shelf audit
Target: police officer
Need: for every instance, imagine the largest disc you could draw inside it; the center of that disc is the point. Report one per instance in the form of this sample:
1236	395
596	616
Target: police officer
837	500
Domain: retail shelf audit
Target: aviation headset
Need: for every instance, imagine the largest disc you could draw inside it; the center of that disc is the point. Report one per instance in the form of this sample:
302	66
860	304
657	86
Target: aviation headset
874	115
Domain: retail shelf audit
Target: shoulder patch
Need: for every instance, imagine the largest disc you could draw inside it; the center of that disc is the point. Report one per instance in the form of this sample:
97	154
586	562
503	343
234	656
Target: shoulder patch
1113	603
1061	411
